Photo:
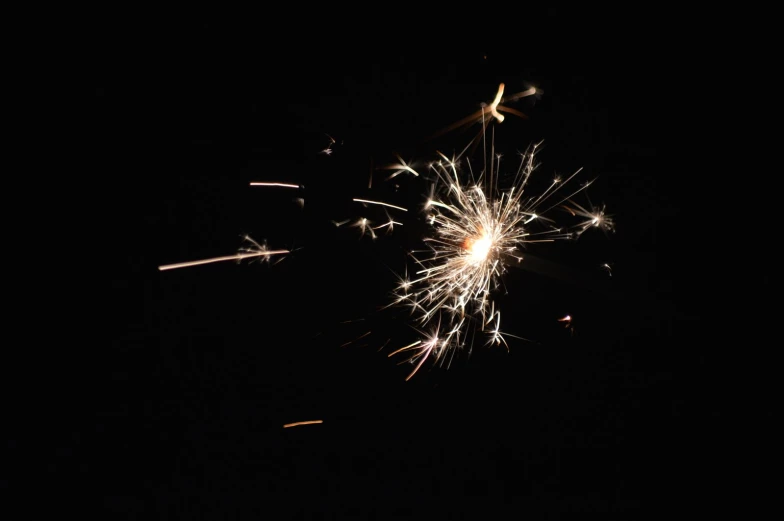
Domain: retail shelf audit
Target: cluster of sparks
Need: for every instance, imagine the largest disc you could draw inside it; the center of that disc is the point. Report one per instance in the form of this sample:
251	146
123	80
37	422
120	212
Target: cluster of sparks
476	232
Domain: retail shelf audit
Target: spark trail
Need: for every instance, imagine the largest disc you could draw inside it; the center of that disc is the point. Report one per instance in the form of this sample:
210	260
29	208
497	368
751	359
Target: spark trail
256	250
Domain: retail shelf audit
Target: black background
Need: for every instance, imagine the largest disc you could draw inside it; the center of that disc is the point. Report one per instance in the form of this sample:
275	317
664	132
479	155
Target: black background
196	370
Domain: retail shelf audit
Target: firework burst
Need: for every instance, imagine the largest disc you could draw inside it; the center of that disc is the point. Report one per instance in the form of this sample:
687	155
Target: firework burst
477	231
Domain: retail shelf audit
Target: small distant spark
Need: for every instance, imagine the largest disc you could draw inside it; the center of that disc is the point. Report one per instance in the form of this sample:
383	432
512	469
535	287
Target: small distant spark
568	324
328	150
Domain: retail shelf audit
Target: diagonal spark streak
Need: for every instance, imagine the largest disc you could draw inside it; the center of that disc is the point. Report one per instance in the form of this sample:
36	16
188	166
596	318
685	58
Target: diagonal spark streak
296	424
237	257
380	203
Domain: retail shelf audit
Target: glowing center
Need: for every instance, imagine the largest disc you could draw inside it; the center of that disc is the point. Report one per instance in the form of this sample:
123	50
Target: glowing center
479	249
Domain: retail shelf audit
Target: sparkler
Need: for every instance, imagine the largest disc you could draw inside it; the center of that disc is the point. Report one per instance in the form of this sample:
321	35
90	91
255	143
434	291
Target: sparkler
477	231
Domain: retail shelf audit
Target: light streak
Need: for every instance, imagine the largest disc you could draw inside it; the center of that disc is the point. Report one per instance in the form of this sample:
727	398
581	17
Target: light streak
282	185
255	251
389	225
380	203
297	424
358	338
237	257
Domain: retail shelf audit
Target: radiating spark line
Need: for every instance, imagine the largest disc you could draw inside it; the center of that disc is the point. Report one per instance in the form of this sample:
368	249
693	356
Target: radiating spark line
296	424
236	257
282	185
380	203
424	353
358	338
389	224
405	348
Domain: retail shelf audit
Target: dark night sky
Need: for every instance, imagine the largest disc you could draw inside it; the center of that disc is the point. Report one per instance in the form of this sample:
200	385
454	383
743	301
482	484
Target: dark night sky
200	367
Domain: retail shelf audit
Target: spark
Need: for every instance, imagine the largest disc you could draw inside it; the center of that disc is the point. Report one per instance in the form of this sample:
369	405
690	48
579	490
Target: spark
282	185
594	218
389	225
328	151
488	112
382	204
567	320
494	105
364	226
256	250
400	167
477	231
384	345
296	424
358	338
